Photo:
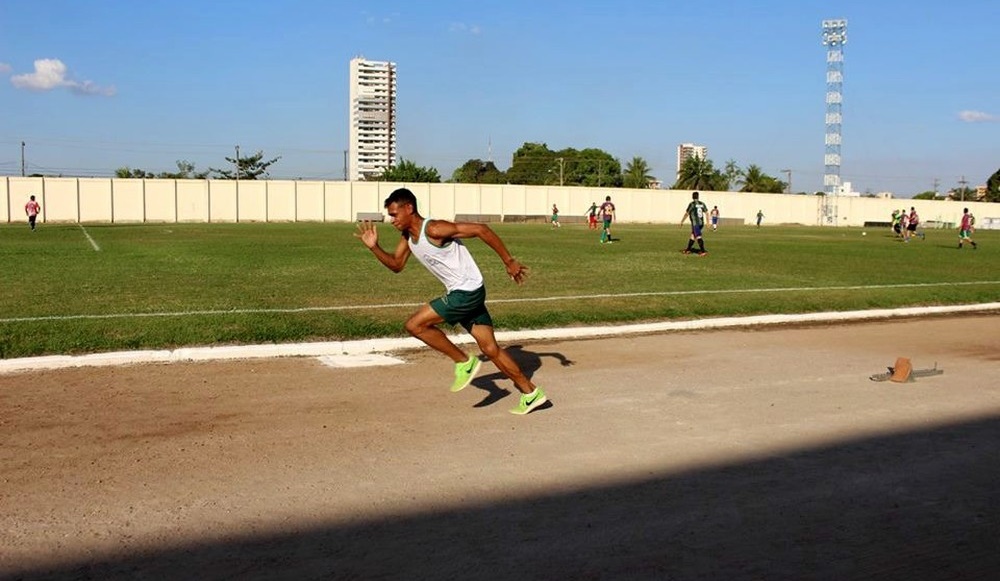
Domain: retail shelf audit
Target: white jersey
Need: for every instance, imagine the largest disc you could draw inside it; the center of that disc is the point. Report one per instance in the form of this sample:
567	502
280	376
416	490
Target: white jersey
452	263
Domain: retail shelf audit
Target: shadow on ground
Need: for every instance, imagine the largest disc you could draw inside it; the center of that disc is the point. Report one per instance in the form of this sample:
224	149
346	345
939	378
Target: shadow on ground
529	362
919	505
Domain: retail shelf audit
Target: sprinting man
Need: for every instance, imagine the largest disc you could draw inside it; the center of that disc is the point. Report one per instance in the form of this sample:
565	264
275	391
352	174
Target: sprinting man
696	210
965	229
592	216
32	209
555	217
760	216
607	212
437	244
714	214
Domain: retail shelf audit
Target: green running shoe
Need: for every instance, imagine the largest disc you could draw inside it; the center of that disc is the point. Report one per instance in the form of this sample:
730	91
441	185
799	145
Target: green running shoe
464	372
530	401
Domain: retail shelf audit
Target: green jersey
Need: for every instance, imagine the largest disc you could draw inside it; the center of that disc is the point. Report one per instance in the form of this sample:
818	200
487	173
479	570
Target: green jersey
696	211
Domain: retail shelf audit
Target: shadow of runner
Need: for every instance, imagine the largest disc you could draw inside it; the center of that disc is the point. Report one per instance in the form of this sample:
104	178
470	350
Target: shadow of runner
913	505
529	362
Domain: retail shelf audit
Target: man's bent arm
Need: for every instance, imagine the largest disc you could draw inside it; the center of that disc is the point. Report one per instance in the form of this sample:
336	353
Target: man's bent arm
442	229
394	262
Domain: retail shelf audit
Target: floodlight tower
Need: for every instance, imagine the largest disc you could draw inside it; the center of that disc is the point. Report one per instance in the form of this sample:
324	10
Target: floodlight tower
834	39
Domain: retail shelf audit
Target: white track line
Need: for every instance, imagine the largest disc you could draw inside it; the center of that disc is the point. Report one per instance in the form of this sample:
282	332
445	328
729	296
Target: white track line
491	301
92	243
342	352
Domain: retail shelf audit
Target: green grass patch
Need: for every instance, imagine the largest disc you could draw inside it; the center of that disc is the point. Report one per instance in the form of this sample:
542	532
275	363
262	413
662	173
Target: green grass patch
170	285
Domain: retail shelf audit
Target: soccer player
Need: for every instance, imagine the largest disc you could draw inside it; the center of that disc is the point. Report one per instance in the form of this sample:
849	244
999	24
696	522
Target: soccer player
555	217
965	229
32	209
607	212
696	211
592	216
911	228
437	244
715	217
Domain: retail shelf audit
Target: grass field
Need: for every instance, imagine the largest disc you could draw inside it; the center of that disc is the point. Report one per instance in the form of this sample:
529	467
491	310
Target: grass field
75	289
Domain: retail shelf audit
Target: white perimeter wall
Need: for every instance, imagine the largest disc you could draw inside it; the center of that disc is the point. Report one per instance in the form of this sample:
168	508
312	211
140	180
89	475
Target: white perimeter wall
106	200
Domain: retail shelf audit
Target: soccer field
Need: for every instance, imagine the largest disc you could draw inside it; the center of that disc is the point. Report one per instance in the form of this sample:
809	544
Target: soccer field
73	288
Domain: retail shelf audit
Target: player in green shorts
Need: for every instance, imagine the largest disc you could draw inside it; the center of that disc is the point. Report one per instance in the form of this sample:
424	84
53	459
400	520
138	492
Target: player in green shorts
437	244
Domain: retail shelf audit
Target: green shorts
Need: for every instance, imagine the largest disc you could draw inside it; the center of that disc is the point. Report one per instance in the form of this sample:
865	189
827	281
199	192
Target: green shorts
466	308
965	234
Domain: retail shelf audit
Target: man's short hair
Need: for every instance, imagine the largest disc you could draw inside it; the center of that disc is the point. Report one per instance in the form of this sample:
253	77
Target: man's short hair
607	198
402	196
694	195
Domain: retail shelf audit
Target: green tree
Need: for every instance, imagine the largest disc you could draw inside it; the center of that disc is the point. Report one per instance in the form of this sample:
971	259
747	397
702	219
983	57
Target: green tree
637	174
532	165
408	171
993	187
126	172
592	168
962	194
732	174
698	173
185	171
755	180
477	171
536	164
928	195
248	168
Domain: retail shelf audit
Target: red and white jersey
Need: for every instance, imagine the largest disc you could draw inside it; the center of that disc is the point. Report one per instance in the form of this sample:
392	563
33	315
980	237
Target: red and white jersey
32	208
966	221
914	219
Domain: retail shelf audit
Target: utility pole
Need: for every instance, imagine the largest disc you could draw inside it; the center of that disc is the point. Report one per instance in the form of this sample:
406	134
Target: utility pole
962	183
936	182
789	172
237	163
22	159
345	165
560	170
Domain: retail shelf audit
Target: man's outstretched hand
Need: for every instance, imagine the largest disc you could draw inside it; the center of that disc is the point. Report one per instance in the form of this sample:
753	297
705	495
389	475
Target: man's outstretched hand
517	271
367	233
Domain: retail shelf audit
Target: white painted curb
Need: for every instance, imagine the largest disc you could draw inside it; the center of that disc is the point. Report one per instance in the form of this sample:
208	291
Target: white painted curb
370	346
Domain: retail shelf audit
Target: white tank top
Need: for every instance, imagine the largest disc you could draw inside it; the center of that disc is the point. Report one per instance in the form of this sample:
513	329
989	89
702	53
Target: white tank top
451	263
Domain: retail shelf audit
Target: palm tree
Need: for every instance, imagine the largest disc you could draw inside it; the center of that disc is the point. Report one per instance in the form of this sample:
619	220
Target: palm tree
753	179
698	173
637	174
733	175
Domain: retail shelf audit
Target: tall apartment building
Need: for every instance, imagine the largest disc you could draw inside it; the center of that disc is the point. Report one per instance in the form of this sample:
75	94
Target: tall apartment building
372	143
689	150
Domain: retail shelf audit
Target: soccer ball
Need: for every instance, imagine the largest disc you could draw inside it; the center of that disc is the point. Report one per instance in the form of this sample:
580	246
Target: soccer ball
864	234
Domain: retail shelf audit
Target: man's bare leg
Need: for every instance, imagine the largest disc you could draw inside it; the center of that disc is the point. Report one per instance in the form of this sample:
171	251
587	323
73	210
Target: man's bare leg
422	325
485	338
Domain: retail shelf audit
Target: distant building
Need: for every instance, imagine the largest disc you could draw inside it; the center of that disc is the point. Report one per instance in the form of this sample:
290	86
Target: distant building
686	151
846	189
372	142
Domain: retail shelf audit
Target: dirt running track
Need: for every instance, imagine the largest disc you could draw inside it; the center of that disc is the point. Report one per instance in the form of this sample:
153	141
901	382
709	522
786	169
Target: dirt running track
761	454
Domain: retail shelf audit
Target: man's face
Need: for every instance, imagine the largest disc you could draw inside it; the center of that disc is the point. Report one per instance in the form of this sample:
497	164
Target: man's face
400	214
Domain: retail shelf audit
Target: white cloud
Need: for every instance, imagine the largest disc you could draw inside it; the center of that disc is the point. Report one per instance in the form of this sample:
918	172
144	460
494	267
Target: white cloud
977	116
374	19
472	29
52	74
4	68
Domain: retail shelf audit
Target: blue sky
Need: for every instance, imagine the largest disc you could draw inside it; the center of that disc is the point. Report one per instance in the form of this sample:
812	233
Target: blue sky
91	86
